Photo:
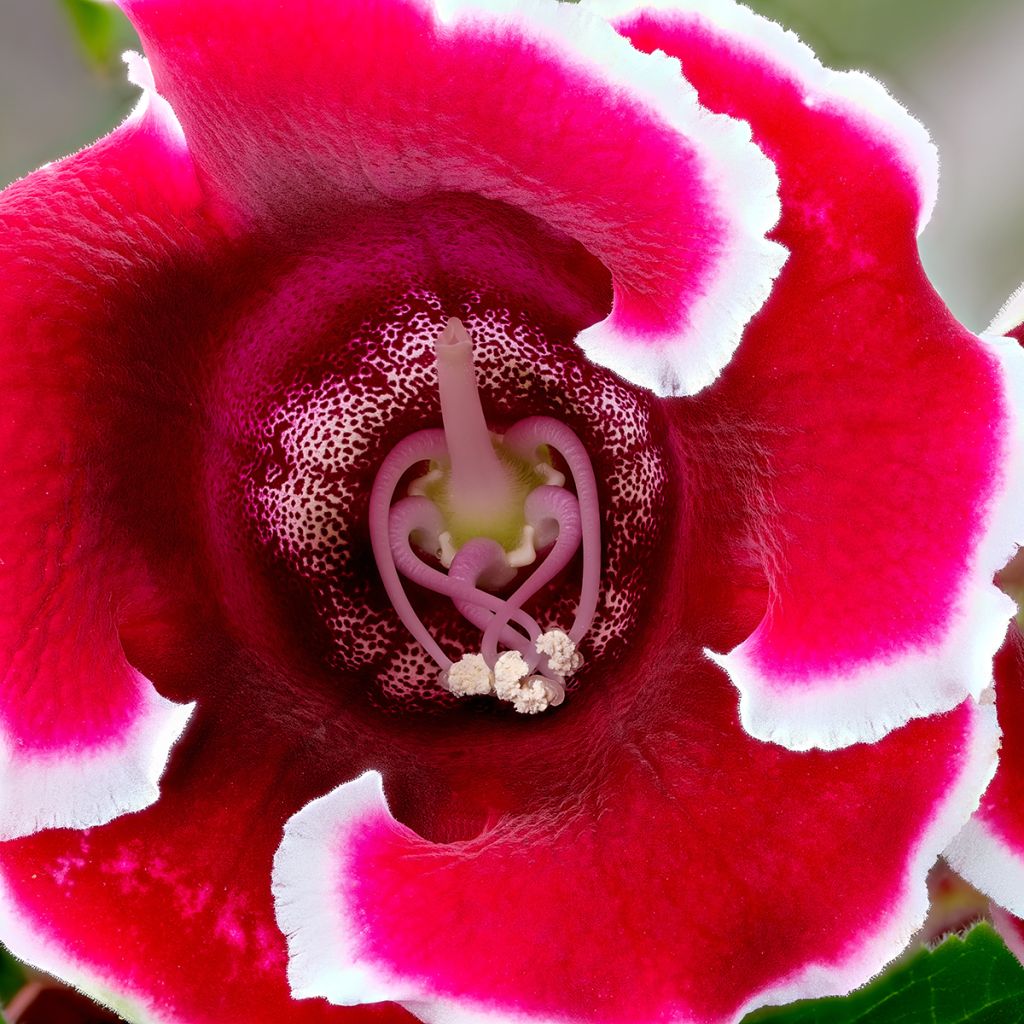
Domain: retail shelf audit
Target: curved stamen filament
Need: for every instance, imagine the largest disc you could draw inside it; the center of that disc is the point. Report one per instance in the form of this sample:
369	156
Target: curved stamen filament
525	438
543	503
412	514
422	446
474	561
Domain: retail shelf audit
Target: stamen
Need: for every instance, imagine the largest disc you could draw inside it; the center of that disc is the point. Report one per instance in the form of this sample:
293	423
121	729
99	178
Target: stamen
463	511
525	438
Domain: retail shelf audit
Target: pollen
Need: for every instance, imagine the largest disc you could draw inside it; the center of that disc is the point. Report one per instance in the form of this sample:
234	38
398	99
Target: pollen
509	670
537	694
469	677
561	652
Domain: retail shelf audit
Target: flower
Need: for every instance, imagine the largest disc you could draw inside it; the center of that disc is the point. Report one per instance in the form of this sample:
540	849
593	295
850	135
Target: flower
223	321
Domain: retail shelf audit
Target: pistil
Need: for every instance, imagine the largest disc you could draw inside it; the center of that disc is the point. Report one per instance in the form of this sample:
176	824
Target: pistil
479	489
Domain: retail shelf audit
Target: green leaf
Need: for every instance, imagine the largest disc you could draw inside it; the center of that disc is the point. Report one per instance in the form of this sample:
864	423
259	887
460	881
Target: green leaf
97	29
970	979
12	977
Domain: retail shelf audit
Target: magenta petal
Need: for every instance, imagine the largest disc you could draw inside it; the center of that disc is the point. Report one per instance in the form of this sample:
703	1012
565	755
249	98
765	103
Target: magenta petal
538	106
689	881
894	457
166	915
83	736
1011	929
989	852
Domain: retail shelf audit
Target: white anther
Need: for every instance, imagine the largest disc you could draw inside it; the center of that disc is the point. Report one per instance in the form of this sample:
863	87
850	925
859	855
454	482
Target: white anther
469	676
549	474
524	553
509	670
537	694
422	485
446	552
561	651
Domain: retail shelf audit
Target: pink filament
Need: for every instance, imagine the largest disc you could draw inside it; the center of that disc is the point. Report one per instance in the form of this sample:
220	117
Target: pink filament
418	447
475	559
479	484
524	439
543	503
411	514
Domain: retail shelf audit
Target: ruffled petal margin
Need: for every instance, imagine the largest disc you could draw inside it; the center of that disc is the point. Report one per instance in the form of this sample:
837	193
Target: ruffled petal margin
535	104
84	737
989	852
166	915
690	885
893	436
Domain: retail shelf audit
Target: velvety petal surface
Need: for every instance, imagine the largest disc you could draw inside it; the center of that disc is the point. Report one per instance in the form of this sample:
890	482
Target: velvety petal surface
989	852
892	452
84	736
166	915
702	873
263	365
537	105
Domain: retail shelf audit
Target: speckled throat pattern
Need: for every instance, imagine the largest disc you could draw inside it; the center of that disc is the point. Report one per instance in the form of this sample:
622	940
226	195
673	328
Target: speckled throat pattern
310	428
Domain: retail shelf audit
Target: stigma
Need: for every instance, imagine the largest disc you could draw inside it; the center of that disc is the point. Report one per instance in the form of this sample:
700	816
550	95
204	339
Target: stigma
488	521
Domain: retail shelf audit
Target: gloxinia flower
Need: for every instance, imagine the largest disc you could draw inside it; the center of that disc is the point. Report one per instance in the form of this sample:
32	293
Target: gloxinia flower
524	467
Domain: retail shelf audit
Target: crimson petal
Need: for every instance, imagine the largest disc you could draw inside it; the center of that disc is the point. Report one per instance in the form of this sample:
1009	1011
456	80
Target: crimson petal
882	521
83	735
341	104
989	852
702	873
166	915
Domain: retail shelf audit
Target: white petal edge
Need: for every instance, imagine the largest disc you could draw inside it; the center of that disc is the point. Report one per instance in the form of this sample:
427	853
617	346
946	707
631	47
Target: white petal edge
737	172
26	939
869	701
326	958
152	107
80	788
1010	316
988	863
857	95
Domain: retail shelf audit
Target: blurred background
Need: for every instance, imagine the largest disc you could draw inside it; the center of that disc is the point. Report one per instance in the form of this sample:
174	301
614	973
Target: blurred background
955	63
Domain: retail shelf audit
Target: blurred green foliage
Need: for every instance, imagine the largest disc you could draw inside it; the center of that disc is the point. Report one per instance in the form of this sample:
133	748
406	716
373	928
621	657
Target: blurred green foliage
99	29
12	977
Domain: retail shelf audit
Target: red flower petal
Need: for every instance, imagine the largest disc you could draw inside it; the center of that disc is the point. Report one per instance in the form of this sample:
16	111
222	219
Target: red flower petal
1011	929
325	105
989	852
83	735
883	521
166	915
694	879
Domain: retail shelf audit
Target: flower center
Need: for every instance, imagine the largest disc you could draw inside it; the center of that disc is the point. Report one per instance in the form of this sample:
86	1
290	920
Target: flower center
490	515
